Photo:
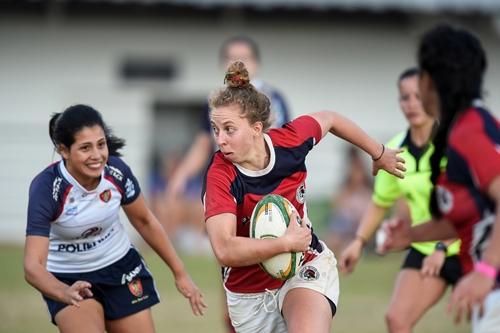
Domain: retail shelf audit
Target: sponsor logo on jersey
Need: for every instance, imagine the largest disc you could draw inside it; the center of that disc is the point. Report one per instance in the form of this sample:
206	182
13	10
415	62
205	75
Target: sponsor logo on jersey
115	172
444	199
301	193
94	231
129	188
106	195
245	220
309	273
131	275
56	187
135	288
72	210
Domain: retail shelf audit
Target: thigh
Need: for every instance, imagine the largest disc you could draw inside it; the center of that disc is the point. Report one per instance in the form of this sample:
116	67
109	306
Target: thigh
414	294
88	318
306	310
138	322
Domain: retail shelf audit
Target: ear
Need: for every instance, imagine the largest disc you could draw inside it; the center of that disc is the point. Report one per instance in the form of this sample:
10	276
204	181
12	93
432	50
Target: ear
257	128
63	151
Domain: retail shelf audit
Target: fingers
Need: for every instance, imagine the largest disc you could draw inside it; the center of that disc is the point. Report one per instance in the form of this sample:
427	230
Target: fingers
197	304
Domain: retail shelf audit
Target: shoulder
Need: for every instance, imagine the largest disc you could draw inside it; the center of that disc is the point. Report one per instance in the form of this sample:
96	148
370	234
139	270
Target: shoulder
221	167
474	122
117	168
296	132
50	180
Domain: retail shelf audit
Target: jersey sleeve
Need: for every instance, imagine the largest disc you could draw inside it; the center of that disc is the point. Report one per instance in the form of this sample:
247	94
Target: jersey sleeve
121	175
481	149
218	198
42	206
304	129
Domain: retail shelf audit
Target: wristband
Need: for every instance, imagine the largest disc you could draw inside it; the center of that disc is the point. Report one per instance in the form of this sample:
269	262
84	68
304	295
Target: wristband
485	269
380	156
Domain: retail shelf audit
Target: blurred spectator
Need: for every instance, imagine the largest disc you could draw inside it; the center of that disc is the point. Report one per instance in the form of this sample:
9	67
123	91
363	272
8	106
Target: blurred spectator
182	218
349	204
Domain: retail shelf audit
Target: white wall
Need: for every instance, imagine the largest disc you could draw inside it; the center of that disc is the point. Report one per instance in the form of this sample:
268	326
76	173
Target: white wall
46	66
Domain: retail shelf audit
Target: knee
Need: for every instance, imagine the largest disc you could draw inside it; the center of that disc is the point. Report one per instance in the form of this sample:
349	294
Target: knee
396	322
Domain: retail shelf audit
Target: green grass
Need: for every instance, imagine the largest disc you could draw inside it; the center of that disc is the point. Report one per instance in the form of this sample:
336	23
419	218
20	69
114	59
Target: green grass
363	300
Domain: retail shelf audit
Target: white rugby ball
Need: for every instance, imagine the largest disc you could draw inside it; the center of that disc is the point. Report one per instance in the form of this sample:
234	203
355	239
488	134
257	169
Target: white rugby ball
270	218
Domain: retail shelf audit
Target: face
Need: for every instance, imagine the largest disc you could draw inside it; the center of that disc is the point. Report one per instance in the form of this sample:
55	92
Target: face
234	135
87	156
242	52
410	102
430	98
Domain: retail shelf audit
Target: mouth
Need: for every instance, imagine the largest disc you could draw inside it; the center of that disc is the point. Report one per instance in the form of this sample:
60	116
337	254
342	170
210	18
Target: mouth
95	166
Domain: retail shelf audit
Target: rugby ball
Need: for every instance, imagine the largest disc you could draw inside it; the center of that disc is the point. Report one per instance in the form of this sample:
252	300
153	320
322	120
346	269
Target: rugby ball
270	218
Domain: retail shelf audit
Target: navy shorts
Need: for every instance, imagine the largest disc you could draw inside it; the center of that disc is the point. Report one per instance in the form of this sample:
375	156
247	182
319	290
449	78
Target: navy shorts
123	288
450	272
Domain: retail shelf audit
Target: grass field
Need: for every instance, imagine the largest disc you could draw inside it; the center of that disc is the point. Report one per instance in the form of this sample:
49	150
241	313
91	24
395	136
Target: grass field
363	300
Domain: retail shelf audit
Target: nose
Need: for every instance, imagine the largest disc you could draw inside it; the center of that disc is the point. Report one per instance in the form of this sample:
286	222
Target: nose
220	139
94	153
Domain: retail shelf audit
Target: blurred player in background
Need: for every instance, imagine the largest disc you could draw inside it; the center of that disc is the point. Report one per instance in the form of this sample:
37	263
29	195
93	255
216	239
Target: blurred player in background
431	266
466	197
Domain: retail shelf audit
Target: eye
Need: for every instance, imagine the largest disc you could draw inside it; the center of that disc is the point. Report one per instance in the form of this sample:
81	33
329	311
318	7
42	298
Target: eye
230	130
84	148
216	131
101	145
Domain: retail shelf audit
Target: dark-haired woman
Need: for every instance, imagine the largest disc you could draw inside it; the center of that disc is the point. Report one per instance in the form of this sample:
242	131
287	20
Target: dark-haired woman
429	267
467	195
77	253
254	161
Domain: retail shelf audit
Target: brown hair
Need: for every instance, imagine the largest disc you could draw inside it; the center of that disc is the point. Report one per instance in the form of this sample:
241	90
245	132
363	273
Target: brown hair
255	106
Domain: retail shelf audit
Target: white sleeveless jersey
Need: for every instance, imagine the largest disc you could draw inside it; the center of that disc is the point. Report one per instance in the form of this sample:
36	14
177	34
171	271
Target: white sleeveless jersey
84	229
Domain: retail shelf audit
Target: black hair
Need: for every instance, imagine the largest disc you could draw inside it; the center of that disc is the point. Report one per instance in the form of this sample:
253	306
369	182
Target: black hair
455	61
239	39
409	72
64	125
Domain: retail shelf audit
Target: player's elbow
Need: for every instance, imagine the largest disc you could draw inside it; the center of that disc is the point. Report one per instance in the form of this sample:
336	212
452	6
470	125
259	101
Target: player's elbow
29	272
223	256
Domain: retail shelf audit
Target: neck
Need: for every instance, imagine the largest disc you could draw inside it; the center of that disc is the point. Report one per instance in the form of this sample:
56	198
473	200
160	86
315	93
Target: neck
420	135
259	157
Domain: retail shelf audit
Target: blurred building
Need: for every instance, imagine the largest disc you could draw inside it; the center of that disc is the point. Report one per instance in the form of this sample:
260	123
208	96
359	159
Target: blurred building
148	66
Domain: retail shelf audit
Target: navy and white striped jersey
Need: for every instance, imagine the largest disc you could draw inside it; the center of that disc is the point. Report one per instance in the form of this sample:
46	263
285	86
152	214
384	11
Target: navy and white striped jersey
84	229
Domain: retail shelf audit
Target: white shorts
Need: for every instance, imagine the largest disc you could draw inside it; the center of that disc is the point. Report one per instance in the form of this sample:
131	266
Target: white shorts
261	312
490	321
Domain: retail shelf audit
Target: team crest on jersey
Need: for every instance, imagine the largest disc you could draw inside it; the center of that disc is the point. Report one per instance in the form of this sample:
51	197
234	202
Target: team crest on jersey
301	193
309	273
135	288
444	199
105	195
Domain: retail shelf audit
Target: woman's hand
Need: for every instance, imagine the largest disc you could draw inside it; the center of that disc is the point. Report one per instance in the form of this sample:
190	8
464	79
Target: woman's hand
431	266
390	162
189	290
350	256
77	292
298	236
471	290
398	235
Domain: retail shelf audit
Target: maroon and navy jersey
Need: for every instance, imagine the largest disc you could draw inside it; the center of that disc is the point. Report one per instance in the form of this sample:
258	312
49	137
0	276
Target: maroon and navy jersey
229	188
473	162
83	227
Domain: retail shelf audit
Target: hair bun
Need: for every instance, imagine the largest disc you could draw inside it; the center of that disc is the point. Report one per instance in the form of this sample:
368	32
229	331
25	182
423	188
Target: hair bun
237	75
